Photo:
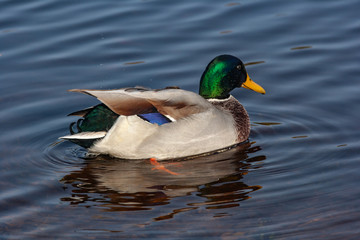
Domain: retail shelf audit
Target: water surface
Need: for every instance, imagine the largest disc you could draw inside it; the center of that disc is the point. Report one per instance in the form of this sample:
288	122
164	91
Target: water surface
296	178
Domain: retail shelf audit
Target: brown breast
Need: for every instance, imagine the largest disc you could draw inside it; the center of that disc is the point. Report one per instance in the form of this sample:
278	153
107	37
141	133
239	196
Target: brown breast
241	117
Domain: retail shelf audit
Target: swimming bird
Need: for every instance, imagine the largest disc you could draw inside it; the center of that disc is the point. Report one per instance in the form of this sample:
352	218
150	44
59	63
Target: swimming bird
142	123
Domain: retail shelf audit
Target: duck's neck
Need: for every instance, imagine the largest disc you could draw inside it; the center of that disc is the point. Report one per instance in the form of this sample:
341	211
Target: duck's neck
212	87
216	83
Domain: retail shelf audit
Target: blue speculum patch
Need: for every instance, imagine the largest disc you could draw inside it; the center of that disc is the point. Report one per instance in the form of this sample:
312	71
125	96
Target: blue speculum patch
157	118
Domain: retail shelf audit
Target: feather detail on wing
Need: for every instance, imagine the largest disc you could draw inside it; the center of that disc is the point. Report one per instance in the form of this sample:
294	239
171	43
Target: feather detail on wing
176	103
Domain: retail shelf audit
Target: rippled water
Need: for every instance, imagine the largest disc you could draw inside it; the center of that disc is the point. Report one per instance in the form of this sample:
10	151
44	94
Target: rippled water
297	178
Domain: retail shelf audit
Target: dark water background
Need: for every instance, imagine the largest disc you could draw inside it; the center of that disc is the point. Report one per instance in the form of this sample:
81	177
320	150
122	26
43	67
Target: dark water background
298	178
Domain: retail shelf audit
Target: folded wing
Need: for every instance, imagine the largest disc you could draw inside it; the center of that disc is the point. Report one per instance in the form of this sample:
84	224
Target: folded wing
176	103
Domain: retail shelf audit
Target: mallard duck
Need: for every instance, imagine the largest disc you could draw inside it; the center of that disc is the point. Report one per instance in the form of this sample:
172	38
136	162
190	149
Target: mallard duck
141	123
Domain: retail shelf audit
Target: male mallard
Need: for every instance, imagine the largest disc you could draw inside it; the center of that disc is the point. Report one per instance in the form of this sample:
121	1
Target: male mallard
140	123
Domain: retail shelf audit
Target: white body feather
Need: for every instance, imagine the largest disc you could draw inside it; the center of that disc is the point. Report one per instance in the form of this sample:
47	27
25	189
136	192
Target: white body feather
133	138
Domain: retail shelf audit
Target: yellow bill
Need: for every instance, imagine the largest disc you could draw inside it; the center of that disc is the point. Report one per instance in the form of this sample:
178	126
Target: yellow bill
250	84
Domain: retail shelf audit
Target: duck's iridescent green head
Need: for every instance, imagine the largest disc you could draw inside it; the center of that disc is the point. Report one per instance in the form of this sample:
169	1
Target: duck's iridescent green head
222	75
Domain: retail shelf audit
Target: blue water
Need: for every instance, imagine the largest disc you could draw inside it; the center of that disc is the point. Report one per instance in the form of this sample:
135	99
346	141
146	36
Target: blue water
296	179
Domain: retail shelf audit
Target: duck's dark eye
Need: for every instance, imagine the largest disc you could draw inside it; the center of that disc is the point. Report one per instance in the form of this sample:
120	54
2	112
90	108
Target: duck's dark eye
238	67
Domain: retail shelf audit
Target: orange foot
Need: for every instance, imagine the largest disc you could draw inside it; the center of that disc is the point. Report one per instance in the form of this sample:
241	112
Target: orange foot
159	166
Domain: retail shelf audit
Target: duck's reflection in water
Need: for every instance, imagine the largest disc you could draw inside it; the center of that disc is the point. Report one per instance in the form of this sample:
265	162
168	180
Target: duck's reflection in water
216	181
